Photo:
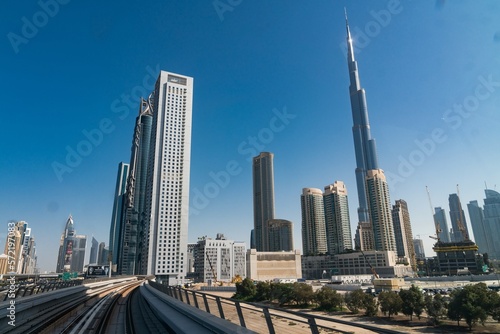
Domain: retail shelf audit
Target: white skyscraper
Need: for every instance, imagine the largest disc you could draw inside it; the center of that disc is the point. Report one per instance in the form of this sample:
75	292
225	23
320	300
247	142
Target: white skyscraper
167	189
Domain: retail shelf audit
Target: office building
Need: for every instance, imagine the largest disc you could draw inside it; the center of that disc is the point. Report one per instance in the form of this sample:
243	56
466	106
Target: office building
380	211
441	224
103	255
476	216
94	248
313	222
163	236
219	260
491	212
403	233
337	222
418	244
263	198
457	218
117	218
71	249
280	235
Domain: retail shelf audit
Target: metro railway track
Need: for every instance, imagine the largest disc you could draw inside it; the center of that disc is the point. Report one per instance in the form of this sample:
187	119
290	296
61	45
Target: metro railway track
56	315
141	318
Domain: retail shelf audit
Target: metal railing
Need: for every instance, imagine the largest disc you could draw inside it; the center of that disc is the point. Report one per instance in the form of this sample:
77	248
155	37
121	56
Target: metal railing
259	317
23	291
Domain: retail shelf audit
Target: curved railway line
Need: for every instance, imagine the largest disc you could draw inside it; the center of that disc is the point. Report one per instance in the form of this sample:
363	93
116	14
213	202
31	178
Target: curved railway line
133	306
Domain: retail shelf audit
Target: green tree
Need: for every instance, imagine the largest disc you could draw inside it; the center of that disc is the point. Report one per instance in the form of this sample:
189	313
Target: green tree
245	290
435	306
282	292
413	301
390	302
494	305
328	299
263	291
471	303
371	305
303	293
355	300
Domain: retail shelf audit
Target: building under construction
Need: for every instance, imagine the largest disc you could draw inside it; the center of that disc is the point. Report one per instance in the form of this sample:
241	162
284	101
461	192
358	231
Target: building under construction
456	258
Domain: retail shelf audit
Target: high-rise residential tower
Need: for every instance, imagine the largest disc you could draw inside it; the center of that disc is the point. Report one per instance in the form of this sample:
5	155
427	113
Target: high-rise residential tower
403	232
338	225
165	230
379	206
457	218
263	198
117	217
442	224
313	222
364	144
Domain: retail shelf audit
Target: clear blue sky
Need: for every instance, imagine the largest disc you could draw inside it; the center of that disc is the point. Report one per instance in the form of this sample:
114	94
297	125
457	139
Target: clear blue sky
76	69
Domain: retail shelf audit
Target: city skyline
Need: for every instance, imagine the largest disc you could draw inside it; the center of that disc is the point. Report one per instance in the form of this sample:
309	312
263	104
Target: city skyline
432	97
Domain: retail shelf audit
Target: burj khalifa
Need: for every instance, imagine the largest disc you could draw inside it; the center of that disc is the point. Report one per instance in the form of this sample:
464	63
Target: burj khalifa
364	144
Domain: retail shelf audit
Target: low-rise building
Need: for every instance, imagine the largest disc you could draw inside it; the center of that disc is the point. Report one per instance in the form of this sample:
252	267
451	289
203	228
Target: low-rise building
384	263
268	266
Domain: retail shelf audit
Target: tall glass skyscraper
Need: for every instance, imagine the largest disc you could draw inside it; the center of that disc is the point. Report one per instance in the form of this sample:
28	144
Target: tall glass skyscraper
263	198
476	216
457	218
117	216
440	220
134	218
491	212
364	144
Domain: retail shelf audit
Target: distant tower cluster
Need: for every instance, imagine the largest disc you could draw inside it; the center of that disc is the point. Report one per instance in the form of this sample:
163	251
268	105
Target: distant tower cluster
71	249
269	234
486	224
326	225
150	216
21	258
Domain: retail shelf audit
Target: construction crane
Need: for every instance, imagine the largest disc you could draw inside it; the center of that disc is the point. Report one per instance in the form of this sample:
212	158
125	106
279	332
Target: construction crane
460	221
211	267
375	275
436	224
